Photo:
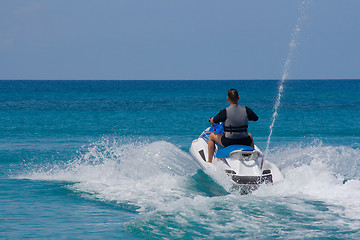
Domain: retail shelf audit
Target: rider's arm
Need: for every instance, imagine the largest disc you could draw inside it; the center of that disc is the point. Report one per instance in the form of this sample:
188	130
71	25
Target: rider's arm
220	117
251	115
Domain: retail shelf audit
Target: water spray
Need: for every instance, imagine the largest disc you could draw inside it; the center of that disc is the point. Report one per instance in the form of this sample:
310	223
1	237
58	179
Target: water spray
292	46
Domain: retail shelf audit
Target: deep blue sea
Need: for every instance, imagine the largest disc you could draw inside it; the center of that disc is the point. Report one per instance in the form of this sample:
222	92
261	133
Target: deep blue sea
110	160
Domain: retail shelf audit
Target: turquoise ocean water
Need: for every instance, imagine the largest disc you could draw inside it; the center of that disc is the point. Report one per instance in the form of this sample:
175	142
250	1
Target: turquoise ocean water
110	159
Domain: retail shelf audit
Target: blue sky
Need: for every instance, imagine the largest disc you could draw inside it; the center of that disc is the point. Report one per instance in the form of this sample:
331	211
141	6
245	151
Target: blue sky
187	39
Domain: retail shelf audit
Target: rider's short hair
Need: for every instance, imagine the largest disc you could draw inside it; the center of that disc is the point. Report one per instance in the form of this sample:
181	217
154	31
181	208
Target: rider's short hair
233	95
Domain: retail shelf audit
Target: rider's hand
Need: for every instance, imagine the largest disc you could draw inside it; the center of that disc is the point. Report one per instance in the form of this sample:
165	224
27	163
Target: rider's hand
211	120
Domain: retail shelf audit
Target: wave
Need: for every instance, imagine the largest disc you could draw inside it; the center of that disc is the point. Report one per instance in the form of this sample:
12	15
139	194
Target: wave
342	161
162	183
123	170
323	173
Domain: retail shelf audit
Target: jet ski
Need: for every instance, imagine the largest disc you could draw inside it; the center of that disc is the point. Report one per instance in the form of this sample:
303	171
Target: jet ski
245	166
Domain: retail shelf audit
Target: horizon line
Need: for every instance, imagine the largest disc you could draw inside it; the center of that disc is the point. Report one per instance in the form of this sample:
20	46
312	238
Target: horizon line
257	79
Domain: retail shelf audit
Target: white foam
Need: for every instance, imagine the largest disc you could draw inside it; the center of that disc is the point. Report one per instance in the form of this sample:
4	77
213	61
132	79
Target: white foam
143	174
323	173
154	177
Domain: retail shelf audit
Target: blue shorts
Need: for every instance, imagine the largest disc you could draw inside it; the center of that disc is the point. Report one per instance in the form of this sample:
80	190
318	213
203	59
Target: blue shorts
242	141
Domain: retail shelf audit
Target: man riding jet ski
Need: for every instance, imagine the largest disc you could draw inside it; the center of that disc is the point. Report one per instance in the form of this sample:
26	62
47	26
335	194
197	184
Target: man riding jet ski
234	148
235	119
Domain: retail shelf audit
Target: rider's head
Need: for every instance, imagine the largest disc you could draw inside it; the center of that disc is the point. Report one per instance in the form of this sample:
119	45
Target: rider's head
233	96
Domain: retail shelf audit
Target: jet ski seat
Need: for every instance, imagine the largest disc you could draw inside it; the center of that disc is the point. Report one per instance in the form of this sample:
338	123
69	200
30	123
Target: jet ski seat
228	151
